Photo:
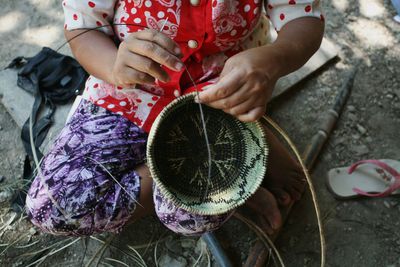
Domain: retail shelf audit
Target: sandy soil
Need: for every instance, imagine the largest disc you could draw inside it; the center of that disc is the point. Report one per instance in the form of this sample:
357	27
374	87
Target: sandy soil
358	232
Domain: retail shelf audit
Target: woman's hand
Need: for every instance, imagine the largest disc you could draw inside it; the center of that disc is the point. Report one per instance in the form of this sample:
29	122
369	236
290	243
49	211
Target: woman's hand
245	85
140	57
248	78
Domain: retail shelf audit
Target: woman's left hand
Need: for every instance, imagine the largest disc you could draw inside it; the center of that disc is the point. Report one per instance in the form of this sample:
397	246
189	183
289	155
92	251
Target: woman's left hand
245	85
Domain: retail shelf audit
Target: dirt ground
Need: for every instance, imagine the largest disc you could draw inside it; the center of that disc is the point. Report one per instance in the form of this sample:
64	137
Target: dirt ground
363	232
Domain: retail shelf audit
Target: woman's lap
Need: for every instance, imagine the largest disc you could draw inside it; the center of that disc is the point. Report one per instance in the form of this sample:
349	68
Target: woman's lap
94	145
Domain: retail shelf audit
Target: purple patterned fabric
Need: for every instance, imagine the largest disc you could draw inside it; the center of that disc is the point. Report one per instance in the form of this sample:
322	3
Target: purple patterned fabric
94	146
183	222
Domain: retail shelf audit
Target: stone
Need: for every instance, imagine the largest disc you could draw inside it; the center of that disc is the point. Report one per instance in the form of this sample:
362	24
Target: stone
351	108
352	117
6	195
360	150
387	204
361	129
168	261
396	91
188	243
173	245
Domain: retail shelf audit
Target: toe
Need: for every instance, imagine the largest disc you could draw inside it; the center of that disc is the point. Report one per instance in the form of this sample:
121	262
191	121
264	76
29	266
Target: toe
281	196
266	206
294	194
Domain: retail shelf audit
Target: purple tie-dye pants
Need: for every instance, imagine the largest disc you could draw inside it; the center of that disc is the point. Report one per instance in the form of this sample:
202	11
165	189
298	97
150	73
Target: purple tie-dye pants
76	194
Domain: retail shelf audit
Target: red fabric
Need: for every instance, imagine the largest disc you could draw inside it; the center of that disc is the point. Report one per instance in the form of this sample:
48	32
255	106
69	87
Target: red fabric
221	28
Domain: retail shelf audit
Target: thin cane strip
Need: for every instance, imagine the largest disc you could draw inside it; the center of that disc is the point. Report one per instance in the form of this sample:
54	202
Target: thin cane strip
263	236
44	249
42	259
123	188
310	184
202	121
117	248
100	252
14	242
28	245
149	244
39	171
138	255
117	261
190	76
205	134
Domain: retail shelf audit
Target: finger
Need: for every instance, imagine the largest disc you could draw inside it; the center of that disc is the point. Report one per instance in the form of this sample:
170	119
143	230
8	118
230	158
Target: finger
161	39
242	108
222	89
132	76
148	66
240	96
252	115
156	53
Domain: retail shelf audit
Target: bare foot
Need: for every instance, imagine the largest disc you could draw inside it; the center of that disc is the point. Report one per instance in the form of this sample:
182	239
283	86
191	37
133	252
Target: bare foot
285	178
264	204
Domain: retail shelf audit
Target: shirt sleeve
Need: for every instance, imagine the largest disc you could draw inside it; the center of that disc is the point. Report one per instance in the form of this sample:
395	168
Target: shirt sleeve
83	14
281	12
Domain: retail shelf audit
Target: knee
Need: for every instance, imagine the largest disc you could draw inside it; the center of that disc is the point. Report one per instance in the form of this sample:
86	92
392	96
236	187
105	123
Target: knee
45	214
75	208
183	222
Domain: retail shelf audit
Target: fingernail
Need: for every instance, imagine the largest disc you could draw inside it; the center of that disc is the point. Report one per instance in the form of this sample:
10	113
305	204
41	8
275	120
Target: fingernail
177	51
179	66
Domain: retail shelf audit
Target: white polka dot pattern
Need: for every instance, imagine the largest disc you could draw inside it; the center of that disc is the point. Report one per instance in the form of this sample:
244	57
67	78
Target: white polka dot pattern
234	26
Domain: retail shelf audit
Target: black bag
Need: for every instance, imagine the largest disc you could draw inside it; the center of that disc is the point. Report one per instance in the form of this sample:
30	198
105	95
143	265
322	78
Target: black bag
53	78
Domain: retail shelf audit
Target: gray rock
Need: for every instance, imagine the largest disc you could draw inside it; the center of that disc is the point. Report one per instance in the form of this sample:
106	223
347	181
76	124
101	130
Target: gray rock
396	91
188	243
173	245
361	129
351	108
387	204
352	117
360	150
168	261
356	136
389	96
6	196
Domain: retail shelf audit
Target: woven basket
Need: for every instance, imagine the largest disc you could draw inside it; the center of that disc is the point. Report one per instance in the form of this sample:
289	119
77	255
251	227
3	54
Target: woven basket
177	157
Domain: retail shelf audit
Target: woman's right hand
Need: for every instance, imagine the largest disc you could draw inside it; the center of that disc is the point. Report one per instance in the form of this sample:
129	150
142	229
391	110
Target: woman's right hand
140	57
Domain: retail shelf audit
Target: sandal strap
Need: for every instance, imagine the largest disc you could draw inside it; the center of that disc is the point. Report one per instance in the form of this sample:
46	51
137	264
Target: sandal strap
394	185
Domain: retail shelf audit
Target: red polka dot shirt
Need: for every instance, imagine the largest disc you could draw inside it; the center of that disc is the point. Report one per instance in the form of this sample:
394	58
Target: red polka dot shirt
208	32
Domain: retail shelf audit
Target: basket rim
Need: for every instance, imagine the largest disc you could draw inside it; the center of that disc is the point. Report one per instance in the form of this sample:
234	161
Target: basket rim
216	209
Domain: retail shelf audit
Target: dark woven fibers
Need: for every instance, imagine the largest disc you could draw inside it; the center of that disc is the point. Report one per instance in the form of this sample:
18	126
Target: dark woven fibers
181	153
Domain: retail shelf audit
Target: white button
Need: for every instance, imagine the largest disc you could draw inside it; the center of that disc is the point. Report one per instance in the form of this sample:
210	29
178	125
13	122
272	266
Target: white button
194	2
177	93
193	44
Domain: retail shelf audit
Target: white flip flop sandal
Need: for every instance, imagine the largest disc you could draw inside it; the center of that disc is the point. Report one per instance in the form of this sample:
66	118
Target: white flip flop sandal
372	178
